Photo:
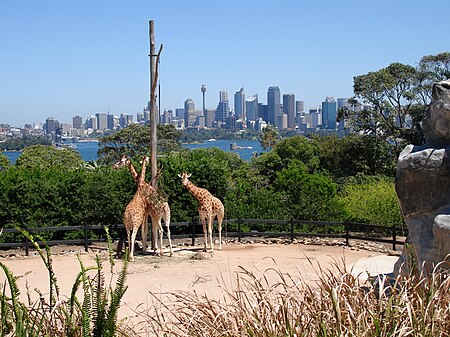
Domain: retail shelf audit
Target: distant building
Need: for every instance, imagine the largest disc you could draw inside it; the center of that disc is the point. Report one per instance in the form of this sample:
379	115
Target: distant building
102	120
239	104
223	108
299	106
289	110
91	122
329	114
51	125
209	118
77	122
125	120
273	105
190	114
263	111
179	113
251	108
167	117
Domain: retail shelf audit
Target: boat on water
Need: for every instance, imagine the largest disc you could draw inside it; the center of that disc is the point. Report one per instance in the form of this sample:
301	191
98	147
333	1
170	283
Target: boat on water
211	140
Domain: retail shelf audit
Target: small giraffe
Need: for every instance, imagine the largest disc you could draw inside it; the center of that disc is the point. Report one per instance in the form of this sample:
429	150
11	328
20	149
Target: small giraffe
155	205
209	207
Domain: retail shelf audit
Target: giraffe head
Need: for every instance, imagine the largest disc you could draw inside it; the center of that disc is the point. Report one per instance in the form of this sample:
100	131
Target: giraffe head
123	161
184	178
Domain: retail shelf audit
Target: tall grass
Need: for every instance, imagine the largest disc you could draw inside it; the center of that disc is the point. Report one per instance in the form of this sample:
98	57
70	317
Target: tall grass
339	304
92	314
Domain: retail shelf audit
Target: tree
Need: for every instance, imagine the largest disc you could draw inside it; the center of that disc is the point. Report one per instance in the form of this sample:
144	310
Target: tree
134	141
268	137
44	156
388	95
4	162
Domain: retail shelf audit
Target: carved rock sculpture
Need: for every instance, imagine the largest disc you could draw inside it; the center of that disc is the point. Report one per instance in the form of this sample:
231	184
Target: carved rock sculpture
423	189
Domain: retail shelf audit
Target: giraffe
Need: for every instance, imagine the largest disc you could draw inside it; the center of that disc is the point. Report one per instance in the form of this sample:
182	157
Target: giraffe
209	207
155	205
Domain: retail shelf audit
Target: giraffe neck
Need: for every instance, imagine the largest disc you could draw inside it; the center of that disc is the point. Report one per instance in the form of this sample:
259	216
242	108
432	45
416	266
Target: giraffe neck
133	172
141	181
197	192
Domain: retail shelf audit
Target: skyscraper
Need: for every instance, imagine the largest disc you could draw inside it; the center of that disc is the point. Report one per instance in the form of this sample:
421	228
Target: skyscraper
190	114
329	114
289	109
102	120
273	105
77	121
223	108
251	108
239	104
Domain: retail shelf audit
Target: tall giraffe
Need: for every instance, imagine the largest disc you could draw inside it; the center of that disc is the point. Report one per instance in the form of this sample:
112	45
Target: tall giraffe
209	207
156	206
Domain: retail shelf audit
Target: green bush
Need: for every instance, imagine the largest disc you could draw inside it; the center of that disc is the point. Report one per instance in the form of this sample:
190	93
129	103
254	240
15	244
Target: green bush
372	201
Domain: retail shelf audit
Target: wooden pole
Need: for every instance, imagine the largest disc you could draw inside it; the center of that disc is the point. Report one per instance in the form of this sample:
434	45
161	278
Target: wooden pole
153	114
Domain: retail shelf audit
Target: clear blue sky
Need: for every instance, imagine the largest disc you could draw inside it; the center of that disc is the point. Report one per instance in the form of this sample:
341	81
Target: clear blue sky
65	58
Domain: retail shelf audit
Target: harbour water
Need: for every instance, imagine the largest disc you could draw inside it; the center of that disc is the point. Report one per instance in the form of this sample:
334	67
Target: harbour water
244	148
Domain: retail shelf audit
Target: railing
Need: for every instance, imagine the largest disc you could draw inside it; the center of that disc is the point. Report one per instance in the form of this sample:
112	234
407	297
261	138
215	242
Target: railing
349	230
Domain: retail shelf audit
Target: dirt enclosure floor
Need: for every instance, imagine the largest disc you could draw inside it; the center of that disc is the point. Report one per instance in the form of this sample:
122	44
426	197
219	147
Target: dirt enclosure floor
189	269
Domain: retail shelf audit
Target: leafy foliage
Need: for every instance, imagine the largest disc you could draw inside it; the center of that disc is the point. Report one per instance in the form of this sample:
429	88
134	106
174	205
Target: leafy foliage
4	162
268	137
134	141
43	156
17	144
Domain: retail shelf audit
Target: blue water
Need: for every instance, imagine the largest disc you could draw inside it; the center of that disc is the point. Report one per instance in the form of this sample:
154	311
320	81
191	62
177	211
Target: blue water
88	150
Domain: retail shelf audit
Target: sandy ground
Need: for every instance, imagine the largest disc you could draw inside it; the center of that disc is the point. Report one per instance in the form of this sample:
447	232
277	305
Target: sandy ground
189	269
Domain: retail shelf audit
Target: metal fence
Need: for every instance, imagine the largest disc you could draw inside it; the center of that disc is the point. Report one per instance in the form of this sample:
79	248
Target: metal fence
286	228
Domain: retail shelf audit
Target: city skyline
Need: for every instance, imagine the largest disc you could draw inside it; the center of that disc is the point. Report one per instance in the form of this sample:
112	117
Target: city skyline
62	59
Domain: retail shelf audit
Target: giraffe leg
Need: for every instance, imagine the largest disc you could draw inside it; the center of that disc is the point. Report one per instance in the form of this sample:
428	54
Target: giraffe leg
144	232
154	235
167	222
129	242
210	224
219	225
133	239
205	233
160	231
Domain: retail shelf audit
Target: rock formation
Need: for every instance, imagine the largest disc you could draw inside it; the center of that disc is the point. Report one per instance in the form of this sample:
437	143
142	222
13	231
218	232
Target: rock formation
423	189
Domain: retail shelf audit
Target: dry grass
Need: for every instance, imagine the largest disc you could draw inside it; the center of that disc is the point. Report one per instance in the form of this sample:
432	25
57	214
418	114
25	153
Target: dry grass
276	304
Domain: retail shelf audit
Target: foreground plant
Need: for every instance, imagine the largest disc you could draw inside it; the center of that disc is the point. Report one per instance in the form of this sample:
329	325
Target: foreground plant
95	314
277	304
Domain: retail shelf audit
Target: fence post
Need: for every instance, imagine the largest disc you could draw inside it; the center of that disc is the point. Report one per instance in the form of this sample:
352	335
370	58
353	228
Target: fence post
193	233
239	229
85	237
394	237
27	248
292	230
347	233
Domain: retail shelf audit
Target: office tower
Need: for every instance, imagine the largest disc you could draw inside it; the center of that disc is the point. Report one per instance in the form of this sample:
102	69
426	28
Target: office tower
77	121
313	118
102	120
251	108
289	110
91	122
190	114
125	120
273	105
239	104
223	107
299	106
51	125
209	118
282	121
263	111
110	122
179	113
329	112
167	117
